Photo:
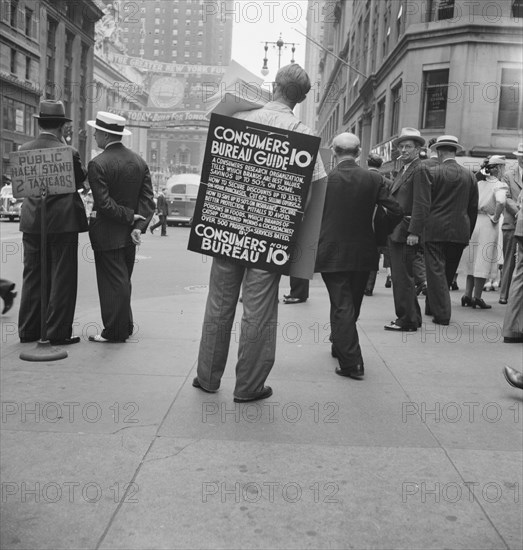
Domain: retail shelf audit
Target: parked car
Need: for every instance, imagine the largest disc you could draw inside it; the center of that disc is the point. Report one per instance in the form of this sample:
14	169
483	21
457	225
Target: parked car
9	206
182	190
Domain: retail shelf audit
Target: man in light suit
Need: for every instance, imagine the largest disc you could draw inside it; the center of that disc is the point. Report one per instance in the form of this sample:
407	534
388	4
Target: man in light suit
411	188
449	226
256	356
65	219
514	178
123	205
347	249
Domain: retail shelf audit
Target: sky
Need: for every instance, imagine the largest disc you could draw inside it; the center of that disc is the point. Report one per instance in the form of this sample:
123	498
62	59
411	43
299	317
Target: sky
256	22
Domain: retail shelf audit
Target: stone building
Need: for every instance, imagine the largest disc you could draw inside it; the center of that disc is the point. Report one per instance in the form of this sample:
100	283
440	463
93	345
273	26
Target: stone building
442	66
46	51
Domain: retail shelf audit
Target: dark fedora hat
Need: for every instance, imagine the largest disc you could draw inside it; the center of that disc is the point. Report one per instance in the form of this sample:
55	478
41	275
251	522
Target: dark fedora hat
52	110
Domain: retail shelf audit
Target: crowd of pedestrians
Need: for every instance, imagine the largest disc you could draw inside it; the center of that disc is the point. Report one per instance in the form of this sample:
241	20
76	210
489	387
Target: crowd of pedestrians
440	219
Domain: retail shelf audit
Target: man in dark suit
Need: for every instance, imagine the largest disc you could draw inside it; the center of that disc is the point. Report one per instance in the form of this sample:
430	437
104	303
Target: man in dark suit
449	226
163	209
347	249
514	178
411	188
123	206
65	219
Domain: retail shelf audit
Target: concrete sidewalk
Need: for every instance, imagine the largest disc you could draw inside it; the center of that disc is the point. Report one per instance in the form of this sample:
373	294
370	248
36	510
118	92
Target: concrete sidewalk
113	448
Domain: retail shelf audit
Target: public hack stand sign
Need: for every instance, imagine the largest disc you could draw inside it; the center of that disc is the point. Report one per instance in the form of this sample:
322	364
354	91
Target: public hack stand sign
254	186
40	173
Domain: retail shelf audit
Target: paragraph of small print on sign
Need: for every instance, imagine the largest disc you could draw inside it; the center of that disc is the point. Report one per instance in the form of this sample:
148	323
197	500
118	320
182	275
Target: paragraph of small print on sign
255	181
50	169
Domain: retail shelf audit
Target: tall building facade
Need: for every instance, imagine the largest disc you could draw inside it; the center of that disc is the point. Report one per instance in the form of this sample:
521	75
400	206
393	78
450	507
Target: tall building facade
189	48
46	51
442	66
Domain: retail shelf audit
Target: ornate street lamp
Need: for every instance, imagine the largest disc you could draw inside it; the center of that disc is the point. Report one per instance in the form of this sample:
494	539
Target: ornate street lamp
279	44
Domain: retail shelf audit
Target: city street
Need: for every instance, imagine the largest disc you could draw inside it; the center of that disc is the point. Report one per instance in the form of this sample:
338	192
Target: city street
112	448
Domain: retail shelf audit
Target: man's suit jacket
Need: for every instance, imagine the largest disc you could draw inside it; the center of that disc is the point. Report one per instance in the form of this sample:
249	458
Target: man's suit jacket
511	208
65	213
411	188
347	241
161	205
454	204
121	186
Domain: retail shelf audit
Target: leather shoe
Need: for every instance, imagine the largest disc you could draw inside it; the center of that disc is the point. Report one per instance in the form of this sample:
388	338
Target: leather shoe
440	322
65	341
8	301
292	300
503	301
354	372
513	377
479	302
397	328
196	384
513	340
101	340
266	392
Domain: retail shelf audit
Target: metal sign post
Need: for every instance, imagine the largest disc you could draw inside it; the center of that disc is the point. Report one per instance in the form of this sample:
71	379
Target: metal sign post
39	173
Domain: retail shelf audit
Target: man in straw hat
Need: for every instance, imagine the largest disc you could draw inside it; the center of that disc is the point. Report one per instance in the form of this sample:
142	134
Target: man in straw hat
411	188
123	205
514	178
65	219
449	226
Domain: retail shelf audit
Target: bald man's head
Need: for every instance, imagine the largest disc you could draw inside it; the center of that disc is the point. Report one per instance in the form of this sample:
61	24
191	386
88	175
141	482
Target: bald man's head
346	144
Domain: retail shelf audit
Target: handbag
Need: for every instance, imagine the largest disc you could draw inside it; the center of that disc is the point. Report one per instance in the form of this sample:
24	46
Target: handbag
383	224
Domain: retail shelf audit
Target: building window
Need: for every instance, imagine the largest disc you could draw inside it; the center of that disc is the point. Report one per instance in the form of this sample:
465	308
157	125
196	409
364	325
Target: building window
395	111
380	121
14	13
445	9
28	68
13	61
517	9
18	117
28	22
509	116
435	88
439	10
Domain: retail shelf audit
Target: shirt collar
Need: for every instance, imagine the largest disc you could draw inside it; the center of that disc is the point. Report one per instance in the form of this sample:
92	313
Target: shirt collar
278	106
113	143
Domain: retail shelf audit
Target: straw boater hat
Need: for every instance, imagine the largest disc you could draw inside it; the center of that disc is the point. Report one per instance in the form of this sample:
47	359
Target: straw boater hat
447	141
110	123
409	133
519	152
496	159
52	110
